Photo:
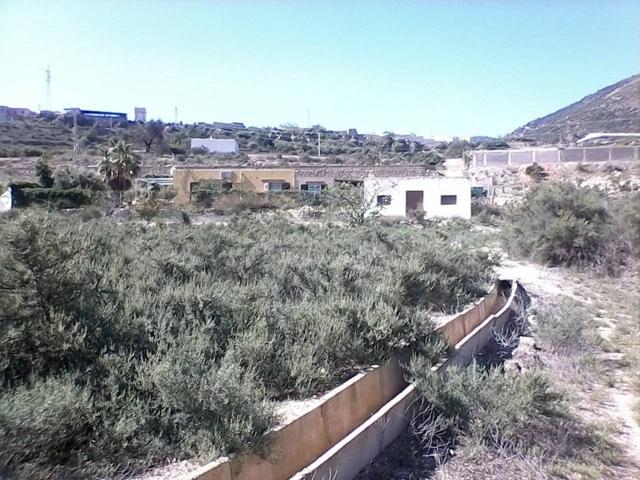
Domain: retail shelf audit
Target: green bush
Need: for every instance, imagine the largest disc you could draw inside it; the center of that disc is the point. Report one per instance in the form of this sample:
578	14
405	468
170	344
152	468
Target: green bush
44	172
238	201
71	198
562	328
484	213
175	339
147	209
536	171
44	428
494	409
206	192
69	177
561	224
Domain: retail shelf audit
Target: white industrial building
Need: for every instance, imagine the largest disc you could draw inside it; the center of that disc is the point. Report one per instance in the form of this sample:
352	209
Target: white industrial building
437	197
215	145
140	114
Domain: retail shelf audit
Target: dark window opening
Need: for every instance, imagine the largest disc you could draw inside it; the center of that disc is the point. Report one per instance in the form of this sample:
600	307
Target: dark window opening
448	199
383	200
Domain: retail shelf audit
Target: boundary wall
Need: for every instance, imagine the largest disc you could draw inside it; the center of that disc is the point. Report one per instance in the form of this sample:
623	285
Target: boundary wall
527	156
342	411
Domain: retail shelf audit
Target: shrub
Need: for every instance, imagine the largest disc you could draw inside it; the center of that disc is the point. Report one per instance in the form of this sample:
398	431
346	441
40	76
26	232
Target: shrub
68	177
72	198
562	328
484	213
206	192
561	224
175	340
44	173
90	213
494	409
147	209
238	201
536	171
44	429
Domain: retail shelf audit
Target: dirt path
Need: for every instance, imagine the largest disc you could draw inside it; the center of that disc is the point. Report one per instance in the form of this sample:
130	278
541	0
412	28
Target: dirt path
549	285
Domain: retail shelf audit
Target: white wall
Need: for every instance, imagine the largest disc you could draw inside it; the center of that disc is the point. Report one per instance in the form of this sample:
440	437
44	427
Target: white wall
433	188
216	145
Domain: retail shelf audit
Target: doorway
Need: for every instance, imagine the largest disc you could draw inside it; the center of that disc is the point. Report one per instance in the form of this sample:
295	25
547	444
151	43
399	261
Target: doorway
415	202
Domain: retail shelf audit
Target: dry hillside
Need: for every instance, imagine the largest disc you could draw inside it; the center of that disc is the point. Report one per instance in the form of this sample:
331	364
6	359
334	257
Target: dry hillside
615	108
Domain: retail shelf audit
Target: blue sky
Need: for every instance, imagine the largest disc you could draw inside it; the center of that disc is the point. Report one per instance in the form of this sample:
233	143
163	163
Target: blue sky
428	67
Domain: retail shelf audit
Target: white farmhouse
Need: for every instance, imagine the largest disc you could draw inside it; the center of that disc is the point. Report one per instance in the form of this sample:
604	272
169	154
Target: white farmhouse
216	145
437	197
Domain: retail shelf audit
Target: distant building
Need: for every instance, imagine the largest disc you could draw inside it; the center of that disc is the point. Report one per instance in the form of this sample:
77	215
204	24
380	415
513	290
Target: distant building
215	145
432	197
95	114
372	137
228	126
187	179
424	141
140	114
9	113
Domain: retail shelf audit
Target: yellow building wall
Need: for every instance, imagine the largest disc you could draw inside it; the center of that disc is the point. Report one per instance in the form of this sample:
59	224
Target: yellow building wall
248	180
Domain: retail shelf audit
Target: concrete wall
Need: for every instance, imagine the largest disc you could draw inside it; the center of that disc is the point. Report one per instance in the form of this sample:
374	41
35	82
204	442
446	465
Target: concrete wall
341	413
345	459
432	187
248	180
298	443
527	156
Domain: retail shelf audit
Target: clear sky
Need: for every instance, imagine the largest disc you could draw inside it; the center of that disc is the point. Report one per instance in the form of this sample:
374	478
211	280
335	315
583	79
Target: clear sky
428	67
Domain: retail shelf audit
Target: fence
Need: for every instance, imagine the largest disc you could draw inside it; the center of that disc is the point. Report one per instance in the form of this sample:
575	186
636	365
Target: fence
504	158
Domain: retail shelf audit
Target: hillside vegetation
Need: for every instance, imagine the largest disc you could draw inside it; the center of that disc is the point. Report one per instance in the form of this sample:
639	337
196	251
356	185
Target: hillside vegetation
124	346
615	108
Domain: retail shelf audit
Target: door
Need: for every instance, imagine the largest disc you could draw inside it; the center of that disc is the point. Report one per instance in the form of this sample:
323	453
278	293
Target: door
415	200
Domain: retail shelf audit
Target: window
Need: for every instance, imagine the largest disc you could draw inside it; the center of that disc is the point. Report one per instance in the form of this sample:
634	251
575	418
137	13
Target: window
274	186
448	199
383	200
315	188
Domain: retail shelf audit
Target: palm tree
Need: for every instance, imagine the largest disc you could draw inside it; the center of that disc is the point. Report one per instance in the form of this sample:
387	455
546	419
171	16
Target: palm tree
119	165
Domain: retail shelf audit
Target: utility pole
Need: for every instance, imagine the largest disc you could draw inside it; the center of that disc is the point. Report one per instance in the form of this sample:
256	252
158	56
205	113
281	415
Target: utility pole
318	144
308	119
48	80
175	114
75	136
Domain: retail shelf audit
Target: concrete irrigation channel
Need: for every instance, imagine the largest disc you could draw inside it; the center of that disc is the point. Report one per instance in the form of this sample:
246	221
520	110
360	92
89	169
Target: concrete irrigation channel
355	422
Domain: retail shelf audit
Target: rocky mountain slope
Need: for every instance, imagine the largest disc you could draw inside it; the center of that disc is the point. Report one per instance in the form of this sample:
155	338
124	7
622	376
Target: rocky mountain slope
615	108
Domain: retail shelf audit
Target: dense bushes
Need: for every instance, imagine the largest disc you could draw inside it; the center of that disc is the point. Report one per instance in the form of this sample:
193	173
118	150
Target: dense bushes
492	409
61	198
170	342
562	329
561	224
238	201
68	177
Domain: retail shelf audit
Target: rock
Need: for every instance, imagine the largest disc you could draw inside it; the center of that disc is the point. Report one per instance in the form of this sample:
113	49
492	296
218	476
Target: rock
525	356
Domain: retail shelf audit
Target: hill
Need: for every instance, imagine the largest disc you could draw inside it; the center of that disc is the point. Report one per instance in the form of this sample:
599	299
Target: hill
615	108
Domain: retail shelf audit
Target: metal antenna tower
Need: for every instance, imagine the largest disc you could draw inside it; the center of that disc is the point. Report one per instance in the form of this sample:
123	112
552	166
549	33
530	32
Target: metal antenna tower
48	80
